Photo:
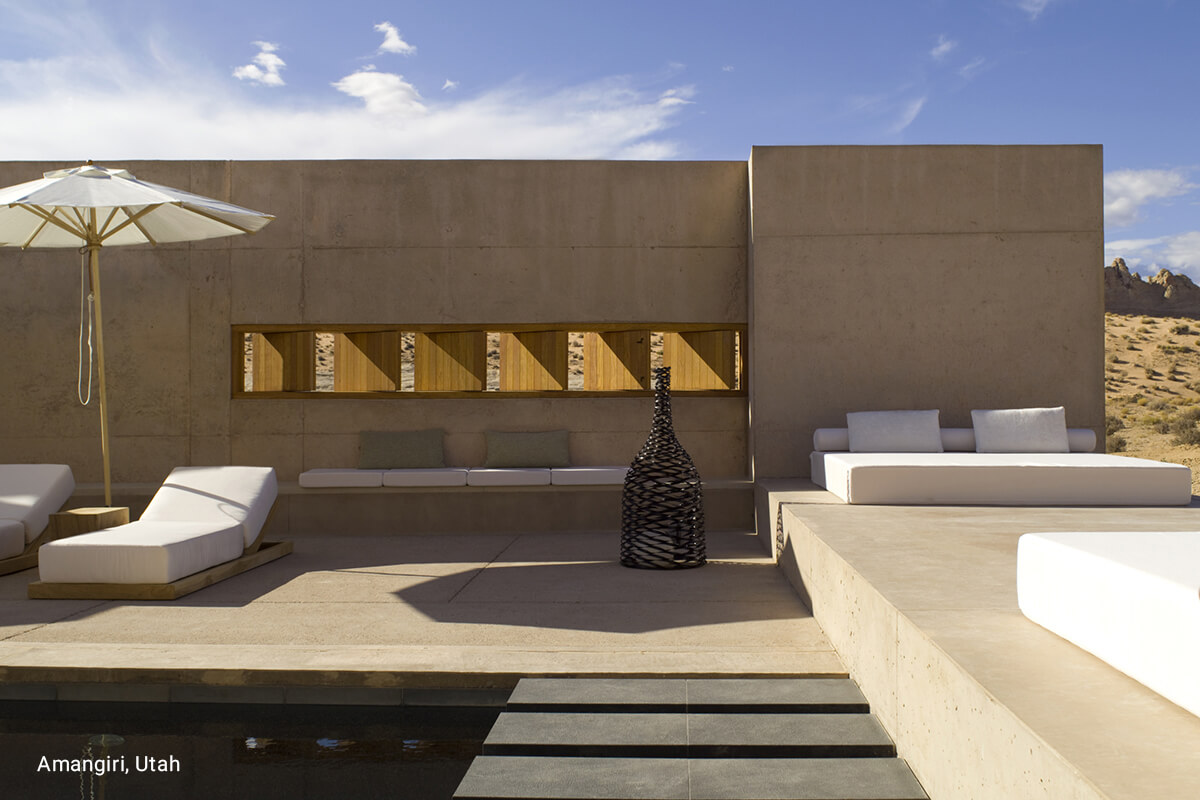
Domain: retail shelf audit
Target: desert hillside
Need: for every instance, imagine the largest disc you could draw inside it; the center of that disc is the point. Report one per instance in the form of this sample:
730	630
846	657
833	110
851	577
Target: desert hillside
1152	388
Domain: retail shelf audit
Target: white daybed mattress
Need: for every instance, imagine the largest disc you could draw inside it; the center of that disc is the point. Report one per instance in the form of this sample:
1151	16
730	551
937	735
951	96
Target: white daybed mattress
1129	598
29	494
1083	479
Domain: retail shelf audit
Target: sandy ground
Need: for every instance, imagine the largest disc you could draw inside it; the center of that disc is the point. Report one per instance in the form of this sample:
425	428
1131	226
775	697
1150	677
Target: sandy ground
1152	380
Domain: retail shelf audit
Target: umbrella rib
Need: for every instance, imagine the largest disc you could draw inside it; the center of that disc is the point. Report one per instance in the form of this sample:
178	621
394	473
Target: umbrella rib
214	218
135	219
52	218
132	219
108	221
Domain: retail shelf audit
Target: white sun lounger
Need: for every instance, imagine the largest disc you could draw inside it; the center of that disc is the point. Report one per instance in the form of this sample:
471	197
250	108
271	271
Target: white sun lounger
203	525
29	494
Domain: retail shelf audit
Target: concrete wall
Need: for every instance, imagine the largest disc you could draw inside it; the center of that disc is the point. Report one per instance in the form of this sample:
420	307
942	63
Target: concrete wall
373	242
870	277
921	277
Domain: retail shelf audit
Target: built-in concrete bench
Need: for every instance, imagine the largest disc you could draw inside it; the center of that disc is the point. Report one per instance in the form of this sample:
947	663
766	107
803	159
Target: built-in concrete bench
1131	599
462	476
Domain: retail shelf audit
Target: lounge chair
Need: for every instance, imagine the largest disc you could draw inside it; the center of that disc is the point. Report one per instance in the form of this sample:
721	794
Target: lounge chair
203	525
29	494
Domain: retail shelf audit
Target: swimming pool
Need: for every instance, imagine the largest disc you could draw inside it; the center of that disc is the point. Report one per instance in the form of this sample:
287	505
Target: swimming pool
217	750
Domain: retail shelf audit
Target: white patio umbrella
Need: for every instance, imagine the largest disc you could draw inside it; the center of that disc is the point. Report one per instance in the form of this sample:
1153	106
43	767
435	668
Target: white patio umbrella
90	207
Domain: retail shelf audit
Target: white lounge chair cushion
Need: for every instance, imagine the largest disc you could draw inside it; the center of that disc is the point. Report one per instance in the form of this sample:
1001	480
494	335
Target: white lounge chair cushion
12	538
588	476
1021	430
140	552
1084	479
216	495
443	476
30	493
1129	598
894	431
516	476
341	478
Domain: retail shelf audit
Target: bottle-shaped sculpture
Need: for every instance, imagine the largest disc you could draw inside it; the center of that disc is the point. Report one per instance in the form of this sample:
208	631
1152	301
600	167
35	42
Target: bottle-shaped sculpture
662	514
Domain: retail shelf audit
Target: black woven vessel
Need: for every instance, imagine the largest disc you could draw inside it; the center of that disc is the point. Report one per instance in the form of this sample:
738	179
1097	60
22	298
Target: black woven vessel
662	514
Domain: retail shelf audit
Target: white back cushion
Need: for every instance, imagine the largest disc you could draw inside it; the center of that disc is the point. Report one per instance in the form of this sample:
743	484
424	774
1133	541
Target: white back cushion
30	493
894	431
216	494
1021	430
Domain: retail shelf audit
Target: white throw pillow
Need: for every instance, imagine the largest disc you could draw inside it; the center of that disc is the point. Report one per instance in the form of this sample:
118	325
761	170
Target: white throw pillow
1021	430
894	431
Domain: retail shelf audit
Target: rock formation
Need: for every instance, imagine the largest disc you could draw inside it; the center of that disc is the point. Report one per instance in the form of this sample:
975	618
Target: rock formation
1164	295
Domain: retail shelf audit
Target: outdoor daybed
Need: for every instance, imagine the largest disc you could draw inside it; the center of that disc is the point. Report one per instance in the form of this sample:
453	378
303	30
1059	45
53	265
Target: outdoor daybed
1010	457
203	525
29	494
1130	598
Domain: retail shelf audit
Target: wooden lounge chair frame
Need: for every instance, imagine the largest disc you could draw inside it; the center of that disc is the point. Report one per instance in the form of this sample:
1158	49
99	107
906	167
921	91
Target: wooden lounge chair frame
258	553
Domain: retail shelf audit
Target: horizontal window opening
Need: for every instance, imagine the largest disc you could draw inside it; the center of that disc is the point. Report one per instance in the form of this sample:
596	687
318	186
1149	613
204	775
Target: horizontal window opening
576	360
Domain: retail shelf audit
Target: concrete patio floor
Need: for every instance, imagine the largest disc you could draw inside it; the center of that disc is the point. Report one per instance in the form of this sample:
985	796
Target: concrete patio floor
367	619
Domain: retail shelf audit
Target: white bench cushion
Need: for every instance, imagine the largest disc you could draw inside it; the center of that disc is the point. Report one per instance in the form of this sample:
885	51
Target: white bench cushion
514	476
1086	479
443	476
827	440
30	493
1129	598
12	538
341	478
588	476
216	495
140	552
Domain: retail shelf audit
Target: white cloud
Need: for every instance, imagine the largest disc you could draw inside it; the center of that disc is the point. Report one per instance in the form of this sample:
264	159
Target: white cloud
727	68
392	43
942	48
264	67
449	85
382	93
909	114
1033	8
1126	191
968	70
1178	253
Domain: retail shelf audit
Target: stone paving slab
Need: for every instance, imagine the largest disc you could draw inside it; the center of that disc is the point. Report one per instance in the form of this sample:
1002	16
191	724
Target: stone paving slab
813	695
543	778
688	735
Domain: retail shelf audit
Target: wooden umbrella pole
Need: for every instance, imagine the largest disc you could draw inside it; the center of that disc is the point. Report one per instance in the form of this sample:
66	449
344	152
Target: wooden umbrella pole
94	271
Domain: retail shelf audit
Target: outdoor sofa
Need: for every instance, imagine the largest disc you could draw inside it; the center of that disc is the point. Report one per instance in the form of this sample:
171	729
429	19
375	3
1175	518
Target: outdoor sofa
203	525
1019	457
29	494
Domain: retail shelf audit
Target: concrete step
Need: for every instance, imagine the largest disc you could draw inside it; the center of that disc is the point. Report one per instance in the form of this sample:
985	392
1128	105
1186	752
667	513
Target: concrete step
688	735
539	778
721	695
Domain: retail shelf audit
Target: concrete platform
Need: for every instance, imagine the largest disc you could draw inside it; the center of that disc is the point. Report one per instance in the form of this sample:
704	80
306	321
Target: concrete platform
386	618
921	604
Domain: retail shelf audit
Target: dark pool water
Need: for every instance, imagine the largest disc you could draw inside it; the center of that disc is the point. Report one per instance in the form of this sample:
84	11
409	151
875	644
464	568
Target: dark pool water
217	751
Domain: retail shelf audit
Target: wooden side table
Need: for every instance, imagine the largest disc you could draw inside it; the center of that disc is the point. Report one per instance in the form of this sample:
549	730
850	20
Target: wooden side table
86	520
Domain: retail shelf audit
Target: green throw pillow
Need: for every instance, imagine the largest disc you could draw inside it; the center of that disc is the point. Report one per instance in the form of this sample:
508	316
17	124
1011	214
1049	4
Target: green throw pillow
401	449
540	449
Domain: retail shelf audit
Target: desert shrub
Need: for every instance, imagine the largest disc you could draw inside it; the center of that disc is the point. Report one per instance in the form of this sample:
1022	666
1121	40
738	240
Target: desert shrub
1143	329
1114	444
1112	424
1148	320
1173	372
1183	329
1140	399
1151	372
1194	386
1158	404
1174	348
1113	358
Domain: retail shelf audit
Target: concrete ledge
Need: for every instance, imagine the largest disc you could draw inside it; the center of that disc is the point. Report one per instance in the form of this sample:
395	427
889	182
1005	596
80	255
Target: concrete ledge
921	605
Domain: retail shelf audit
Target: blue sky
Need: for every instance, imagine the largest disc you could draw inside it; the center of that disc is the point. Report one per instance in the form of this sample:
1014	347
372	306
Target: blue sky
704	80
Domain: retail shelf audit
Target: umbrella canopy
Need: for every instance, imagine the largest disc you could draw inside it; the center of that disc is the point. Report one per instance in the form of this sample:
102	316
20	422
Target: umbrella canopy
90	207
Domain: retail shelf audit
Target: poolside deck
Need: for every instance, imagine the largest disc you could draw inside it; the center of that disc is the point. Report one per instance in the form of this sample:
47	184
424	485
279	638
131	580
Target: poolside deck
921	604
380	619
